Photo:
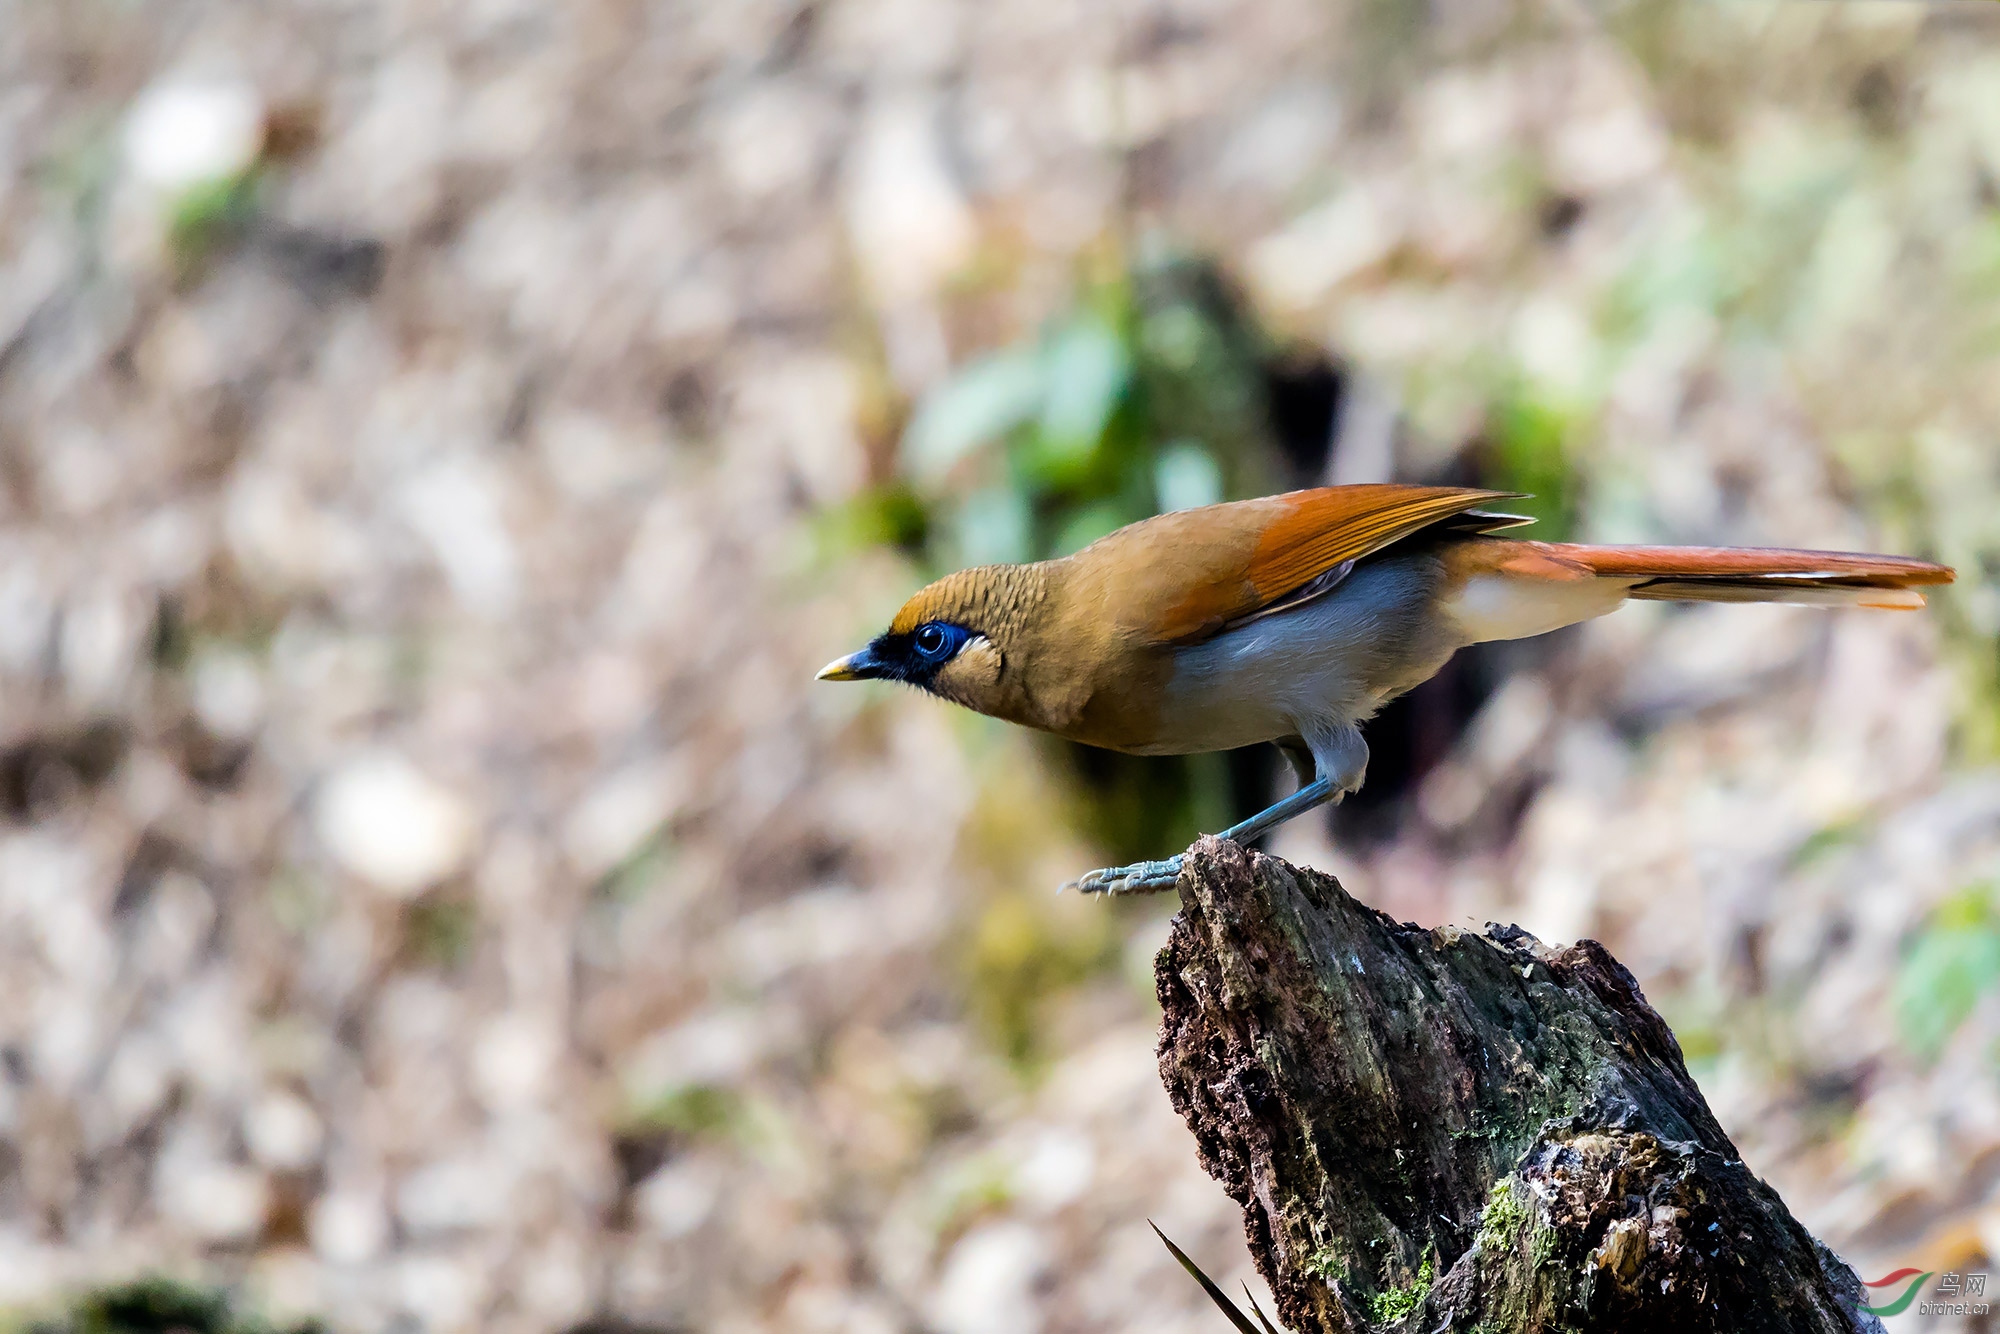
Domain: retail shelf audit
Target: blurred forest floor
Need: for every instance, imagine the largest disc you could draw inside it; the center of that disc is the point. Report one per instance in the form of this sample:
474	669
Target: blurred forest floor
438	443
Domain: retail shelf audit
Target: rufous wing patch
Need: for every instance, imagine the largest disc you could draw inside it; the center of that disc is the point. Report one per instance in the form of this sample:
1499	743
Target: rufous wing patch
1307	534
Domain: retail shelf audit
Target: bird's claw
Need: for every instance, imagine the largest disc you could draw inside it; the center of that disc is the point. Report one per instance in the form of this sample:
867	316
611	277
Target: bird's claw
1138	878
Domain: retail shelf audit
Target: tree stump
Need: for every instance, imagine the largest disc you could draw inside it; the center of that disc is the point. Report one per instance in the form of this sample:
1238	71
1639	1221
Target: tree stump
1448	1130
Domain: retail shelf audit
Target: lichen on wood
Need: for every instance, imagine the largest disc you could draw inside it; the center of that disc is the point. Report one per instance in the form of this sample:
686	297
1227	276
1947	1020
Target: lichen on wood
1454	1130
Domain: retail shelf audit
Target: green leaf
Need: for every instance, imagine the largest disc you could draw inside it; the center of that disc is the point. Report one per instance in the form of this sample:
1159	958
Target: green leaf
984	401
1529	454
701	1111
1087	368
1177	336
889	515
1090	524
203	215
993	527
1185	477
1954	963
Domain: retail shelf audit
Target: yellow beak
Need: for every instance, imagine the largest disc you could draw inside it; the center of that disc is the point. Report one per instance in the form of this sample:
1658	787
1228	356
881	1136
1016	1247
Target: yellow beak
840	669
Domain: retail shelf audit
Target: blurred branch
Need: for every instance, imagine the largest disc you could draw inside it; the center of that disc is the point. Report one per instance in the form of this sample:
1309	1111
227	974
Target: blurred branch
1445	1130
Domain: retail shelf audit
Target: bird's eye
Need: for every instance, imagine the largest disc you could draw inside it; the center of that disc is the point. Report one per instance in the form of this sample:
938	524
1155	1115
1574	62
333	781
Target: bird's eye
935	642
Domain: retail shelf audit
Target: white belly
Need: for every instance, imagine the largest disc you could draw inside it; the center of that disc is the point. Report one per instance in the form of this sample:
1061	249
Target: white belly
1327	664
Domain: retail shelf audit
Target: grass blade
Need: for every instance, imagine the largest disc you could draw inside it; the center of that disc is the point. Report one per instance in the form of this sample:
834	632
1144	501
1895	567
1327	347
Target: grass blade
1215	1294
1262	1319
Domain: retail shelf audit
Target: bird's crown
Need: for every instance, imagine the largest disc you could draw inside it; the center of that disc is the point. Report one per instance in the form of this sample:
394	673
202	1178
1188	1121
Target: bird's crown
986	599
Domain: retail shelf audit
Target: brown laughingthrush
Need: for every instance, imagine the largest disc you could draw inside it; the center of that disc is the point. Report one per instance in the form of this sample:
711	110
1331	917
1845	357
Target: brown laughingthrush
1292	619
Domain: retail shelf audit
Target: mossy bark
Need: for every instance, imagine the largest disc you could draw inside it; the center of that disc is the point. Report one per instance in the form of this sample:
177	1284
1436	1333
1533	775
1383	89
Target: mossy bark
1448	1130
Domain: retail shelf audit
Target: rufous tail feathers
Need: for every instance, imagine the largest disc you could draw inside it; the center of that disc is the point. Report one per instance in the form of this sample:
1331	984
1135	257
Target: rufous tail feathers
1761	574
1511	589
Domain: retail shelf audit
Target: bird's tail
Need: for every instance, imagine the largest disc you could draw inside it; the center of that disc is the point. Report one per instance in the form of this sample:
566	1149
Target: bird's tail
1505	589
1760	574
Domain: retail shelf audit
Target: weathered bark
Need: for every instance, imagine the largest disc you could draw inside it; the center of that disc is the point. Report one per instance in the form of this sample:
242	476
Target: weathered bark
1443	1130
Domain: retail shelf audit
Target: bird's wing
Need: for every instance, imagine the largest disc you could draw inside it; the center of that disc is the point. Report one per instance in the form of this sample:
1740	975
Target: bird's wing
1183	577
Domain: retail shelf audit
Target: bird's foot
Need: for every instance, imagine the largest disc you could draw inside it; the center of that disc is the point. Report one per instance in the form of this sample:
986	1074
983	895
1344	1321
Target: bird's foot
1138	878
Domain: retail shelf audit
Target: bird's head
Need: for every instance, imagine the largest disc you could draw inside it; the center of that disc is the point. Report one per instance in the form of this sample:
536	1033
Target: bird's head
955	639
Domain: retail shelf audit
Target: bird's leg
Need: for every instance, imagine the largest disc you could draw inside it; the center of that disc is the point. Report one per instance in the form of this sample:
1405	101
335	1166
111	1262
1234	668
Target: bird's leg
1329	763
1316	793
1149	877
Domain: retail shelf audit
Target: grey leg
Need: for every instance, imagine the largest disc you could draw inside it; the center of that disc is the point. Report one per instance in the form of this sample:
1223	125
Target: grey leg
1150	877
1316	793
1330	762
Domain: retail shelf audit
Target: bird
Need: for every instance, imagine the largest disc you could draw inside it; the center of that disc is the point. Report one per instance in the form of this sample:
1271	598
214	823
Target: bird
1292	619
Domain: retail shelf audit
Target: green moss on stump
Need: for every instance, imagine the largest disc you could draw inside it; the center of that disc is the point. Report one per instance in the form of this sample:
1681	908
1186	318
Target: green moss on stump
1399	1304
